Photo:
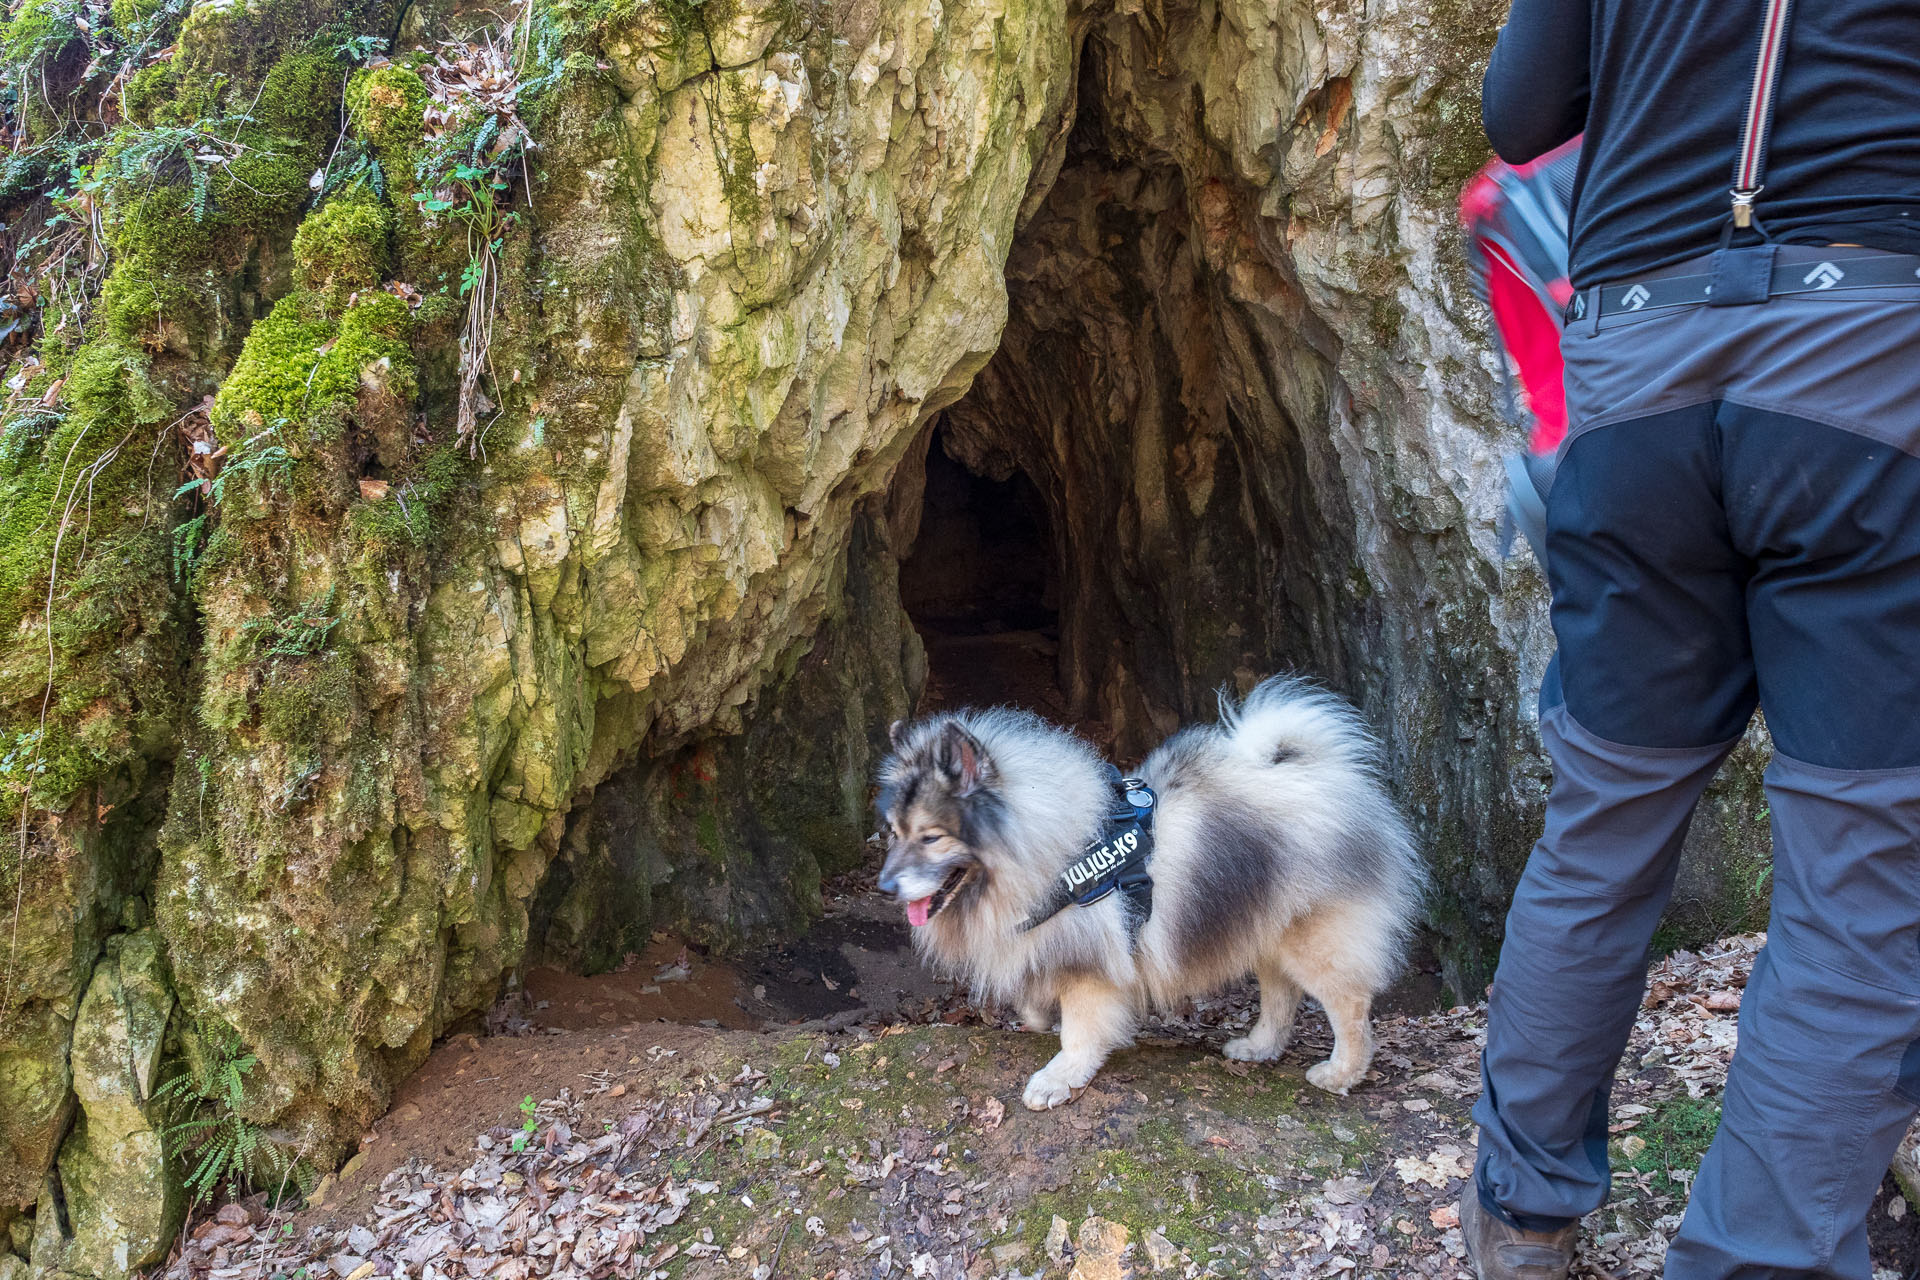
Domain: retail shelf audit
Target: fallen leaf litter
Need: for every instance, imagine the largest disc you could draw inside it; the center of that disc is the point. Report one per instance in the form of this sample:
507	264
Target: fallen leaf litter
624	1197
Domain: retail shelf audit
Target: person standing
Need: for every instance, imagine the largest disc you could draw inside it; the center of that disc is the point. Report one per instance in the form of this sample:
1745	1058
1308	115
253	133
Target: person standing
1734	522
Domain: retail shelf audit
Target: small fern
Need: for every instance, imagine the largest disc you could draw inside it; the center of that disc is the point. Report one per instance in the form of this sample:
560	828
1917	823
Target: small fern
189	540
202	193
300	634
193	151
260	458
205	1130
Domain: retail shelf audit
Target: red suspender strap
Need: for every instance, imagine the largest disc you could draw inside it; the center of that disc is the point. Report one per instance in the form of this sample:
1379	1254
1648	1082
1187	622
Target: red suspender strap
1750	166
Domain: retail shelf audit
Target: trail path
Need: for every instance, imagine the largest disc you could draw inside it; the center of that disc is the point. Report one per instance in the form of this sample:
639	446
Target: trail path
899	1148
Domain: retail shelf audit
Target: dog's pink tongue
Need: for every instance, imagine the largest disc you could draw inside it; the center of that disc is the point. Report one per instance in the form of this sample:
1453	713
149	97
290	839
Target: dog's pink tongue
919	910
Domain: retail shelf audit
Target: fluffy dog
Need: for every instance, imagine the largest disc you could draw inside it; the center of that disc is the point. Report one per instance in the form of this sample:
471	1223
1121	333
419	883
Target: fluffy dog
1276	852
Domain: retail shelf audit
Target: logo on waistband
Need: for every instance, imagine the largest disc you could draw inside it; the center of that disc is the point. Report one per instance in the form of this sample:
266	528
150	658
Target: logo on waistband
1824	276
1636	298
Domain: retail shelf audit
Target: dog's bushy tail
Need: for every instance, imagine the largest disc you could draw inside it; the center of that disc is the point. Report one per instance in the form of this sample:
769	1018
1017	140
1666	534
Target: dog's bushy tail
1287	719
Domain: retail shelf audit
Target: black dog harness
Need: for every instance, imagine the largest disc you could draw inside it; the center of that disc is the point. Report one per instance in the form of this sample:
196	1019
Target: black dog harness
1116	858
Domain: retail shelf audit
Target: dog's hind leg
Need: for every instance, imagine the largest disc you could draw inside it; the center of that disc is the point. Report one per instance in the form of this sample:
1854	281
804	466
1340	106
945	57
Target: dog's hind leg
1347	1009
1036	1017
1279	998
1338	954
1095	1019
1348	1004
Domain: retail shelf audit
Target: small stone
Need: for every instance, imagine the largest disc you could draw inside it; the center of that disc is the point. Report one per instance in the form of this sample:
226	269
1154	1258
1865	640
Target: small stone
1057	1239
1632	1145
761	1144
353	1165
1100	1245
1006	1253
1161	1252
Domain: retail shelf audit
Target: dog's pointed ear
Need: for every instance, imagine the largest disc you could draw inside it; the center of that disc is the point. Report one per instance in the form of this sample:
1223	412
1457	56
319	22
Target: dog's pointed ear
959	756
897	734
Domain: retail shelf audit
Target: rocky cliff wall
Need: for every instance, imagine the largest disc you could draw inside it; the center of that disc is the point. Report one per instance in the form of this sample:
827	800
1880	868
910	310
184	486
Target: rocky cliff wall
456	464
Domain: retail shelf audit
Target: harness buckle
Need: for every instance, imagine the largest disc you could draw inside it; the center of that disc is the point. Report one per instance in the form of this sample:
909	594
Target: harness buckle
1743	206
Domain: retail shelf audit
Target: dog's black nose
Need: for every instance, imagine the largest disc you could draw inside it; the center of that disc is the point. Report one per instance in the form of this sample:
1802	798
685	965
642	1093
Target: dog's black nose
889	883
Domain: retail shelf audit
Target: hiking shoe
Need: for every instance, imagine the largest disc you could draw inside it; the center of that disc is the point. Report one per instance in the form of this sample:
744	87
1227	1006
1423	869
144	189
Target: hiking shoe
1500	1252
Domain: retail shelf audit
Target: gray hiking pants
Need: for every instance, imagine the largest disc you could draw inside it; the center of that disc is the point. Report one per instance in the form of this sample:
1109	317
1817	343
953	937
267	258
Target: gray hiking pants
1735	521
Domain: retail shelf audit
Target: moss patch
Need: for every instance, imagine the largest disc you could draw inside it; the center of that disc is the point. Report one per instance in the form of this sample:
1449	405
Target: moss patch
1668	1145
300	364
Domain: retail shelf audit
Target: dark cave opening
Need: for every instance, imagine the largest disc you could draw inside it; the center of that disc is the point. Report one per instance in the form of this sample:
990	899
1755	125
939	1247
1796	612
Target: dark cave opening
983	561
981	585
1128	416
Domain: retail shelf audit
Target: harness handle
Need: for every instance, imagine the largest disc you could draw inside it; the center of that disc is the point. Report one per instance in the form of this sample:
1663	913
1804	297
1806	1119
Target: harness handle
1750	166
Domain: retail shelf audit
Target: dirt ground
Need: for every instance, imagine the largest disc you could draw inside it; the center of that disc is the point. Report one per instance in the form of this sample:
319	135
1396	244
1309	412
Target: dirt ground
873	1144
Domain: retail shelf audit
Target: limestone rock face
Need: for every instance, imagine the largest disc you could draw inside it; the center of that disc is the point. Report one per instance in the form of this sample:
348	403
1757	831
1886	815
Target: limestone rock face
550	592
123	1202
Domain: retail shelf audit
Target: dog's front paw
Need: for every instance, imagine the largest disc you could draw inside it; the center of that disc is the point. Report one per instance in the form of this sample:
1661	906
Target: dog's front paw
1325	1075
1045	1092
1249	1049
1050	1087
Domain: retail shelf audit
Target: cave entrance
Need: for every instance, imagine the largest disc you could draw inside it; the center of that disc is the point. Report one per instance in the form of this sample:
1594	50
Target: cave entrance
1114	521
982	586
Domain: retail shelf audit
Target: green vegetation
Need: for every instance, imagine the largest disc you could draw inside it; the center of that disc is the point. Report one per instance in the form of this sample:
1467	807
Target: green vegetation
1670	1142
529	1123
206	1130
302	366
342	247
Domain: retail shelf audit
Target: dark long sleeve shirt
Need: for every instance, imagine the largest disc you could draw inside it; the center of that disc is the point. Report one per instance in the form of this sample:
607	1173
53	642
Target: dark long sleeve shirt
1659	87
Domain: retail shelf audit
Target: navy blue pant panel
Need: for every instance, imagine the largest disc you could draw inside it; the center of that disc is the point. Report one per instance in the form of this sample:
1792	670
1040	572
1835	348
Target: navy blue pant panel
1706	557
1649	593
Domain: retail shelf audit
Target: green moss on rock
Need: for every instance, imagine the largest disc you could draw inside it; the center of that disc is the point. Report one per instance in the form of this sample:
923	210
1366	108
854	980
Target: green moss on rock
300	364
342	247
385	105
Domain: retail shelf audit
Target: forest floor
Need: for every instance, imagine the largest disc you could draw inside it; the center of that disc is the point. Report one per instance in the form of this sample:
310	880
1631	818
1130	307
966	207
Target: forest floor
669	1121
